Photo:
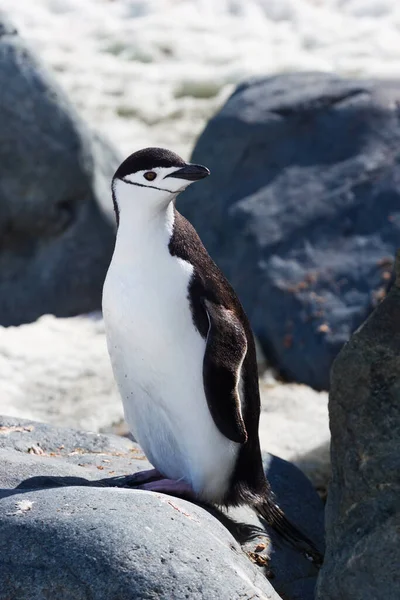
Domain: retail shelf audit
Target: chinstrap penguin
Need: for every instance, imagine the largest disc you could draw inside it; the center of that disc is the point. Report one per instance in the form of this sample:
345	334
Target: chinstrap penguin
182	350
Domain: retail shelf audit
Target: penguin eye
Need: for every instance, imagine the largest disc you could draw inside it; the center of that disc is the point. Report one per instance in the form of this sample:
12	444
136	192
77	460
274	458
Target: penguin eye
150	175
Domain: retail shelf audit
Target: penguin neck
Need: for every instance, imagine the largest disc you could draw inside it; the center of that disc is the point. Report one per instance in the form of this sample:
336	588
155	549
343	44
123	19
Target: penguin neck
144	229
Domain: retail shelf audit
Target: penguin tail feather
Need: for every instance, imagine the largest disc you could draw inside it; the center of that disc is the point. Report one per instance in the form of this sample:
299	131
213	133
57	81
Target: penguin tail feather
276	518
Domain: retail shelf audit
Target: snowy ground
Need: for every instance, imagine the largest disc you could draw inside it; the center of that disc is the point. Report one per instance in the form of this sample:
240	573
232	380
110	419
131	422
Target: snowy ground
151	72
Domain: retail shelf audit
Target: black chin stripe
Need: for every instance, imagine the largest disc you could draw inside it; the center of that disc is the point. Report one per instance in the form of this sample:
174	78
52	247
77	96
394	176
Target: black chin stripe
153	187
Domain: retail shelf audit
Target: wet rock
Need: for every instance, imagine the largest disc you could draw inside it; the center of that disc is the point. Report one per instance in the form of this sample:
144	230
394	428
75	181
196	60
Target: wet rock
363	509
302	209
56	241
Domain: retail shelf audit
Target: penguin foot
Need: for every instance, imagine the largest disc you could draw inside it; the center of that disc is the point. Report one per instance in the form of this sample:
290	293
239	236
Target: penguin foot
171	487
134	480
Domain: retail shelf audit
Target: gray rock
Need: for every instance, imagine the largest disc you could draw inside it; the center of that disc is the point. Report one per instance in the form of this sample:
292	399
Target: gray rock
57	511
302	209
363	509
75	543
56	241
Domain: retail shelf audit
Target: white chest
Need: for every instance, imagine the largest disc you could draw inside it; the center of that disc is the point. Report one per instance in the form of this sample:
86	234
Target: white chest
157	357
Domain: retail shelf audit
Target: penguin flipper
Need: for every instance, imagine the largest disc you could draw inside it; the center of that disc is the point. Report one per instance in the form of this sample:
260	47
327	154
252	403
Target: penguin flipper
226	349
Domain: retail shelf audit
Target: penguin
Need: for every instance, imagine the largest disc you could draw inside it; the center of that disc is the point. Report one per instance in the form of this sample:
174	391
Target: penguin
182	350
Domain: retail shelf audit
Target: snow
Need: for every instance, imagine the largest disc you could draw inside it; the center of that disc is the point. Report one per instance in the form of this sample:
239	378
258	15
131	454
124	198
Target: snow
151	72
58	371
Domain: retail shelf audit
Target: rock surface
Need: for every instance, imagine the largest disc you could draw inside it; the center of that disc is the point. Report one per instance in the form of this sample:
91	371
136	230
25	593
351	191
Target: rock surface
58	371
56	241
101	542
363	510
302	209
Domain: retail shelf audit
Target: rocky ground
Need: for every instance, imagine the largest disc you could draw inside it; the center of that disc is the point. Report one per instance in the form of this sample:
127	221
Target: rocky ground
56	510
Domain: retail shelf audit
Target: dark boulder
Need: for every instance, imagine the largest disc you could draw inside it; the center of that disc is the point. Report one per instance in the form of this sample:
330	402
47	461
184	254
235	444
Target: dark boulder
302	209
55	240
363	509
65	533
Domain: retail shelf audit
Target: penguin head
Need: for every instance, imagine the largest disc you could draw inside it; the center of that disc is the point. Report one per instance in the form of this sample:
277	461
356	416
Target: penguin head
151	178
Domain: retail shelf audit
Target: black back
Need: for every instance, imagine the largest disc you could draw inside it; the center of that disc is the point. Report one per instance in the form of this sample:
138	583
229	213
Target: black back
208	283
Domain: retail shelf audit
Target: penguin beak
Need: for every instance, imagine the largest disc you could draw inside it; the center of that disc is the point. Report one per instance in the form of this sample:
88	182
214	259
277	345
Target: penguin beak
190	173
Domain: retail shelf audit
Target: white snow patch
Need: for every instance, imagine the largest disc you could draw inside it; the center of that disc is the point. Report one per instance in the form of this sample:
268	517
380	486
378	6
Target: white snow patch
294	425
22	507
58	371
151	72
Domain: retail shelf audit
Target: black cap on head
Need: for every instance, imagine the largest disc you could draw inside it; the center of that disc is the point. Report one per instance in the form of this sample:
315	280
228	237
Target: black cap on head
147	159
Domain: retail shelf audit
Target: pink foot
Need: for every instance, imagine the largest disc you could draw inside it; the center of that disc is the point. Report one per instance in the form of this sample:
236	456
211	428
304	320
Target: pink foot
171	487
